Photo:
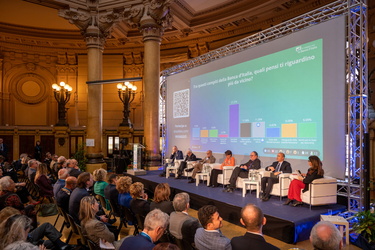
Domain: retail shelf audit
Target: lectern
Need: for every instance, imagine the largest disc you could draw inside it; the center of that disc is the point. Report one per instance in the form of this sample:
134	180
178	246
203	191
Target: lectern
137	160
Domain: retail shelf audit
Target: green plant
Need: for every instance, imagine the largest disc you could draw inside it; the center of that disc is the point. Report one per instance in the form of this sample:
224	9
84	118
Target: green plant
365	225
80	156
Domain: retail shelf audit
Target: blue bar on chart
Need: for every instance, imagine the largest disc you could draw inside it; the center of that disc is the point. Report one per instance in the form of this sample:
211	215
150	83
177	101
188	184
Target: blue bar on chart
234	120
258	129
196	132
273	132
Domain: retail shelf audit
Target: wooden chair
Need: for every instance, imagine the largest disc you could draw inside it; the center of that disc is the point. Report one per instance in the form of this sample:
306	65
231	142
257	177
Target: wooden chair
73	228
130	217
103	203
92	245
66	219
117	212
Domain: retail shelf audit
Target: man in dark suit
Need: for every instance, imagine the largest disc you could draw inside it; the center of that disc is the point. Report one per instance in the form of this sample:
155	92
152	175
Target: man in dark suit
156	222
253	219
176	155
189	157
278	167
243	171
63	195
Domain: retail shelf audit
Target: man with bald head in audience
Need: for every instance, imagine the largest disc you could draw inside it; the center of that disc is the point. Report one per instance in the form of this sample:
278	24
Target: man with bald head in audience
325	236
253	219
63	195
60	183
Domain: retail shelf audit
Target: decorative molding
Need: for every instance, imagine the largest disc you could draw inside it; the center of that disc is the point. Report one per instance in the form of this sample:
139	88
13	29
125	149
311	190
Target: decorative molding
18	87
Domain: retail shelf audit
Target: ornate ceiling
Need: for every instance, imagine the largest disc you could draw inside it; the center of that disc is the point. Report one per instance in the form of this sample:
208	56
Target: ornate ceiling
202	25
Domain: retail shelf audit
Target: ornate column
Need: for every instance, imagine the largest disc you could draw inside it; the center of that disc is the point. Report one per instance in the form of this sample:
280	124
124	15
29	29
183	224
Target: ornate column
95	26
152	19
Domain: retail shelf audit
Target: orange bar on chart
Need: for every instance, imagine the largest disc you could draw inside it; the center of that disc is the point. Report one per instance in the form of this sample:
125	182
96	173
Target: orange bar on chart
204	133
289	130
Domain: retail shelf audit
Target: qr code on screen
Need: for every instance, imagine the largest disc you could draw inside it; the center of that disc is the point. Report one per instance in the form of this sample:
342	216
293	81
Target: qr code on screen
181	103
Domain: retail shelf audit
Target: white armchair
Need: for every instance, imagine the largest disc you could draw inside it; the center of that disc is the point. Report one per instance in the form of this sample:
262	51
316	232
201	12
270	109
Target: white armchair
321	191
225	176
280	189
173	169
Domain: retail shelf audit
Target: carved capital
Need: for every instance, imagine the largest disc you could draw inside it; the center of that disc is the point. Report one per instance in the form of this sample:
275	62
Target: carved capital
95	25
152	18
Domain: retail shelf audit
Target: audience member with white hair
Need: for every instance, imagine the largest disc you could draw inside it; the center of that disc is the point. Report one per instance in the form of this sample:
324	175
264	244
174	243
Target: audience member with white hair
156	222
182	225
61	162
189	157
72	166
325	236
60	183
30	171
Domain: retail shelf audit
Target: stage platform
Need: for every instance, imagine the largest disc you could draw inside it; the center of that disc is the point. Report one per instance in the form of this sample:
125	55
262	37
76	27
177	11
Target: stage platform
286	223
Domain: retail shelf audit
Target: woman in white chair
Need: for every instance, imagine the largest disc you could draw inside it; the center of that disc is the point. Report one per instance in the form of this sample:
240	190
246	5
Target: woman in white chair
315	172
228	161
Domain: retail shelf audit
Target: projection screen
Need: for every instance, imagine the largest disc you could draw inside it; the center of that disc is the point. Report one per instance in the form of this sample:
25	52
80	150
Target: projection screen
287	95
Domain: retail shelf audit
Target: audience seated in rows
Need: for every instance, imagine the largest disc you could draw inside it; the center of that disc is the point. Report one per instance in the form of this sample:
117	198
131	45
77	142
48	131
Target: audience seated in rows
210	237
253	219
156	222
161	199
184	228
123	186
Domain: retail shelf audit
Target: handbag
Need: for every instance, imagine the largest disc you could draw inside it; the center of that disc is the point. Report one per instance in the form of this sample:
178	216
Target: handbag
47	209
